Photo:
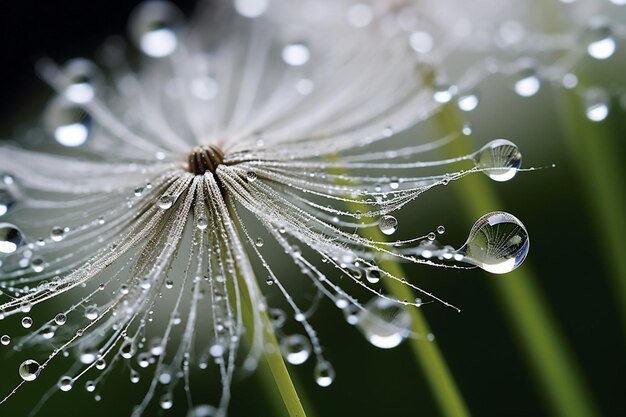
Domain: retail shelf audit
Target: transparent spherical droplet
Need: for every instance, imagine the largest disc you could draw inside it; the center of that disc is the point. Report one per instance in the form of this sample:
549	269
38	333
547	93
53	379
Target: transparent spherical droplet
251	176
431	236
251	8
88	355
65	383
29	370
372	275
388	225
597	102
90	386
57	234
528	83
384	323
48	332
127	350
202	222
7	201
259	242
296	349
80	80
11	238
153	27
38	264
166	402
60	319
165	201
443	93
27	322
500	159
68	123
468	102
498	243
202	410
101	364
92	312
324	373
600	41
5	339
441	230
296	54
134	376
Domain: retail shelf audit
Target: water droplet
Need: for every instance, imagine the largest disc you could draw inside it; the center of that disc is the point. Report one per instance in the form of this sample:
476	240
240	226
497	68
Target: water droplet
47	332
27	322
384	323
441	230
388	225
7	200
443	93
202	222
431	236
5	340
91	312
251	176
166	401
90	386
528	83
251	8
65	383
153	28
166	201
500	159
324	373
101	364
277	317
202	410
11	238
68	123
80	79
38	264
498	243
360	15
57	234
597	104
296	349
296	54
60	319
127	350
259	242
134	376
29	370
372	275
468	102
600	41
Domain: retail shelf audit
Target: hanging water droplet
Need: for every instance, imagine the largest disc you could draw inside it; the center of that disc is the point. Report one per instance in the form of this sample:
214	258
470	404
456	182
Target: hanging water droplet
499	159
65	383
597	101
259	242
68	123
166	401
528	83
27	322
127	350
5	339
11	238
468	102
296	54
372	275
80	79
154	26
165	201
388	225
91	312
60	319
384	324
251	8
7	200
324	373
498	243
600	41
29	370
296	349
47	332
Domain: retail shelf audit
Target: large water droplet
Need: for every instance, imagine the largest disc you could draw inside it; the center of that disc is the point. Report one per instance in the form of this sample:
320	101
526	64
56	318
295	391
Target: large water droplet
600	41
80	80
500	159
497	243
372	275
296	54
29	370
11	238
597	102
296	349
68	123
384	323
324	373
153	28
65	383
388	225
528	83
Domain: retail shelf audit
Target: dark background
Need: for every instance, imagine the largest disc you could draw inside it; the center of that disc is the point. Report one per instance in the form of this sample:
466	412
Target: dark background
479	345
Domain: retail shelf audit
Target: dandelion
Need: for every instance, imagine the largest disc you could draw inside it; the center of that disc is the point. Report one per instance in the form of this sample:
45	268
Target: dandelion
171	183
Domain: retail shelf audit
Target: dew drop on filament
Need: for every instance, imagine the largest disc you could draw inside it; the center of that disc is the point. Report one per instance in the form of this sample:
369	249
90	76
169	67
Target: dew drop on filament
11	238
498	243
384	323
499	159
29	370
68	123
153	28
388	225
324	373
296	349
80	80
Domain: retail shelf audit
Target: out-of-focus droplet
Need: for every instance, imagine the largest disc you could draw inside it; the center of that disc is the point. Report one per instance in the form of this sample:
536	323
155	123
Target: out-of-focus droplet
7	201
360	15
324	373
528	83
11	238
251	8
68	123
468	102
166	401
202	410
384	324
80	80
500	159
154	28
372	275
597	102
421	42
165	202
443	93
600	41
57	234
65	383
388	224
296	54
296	348
498	243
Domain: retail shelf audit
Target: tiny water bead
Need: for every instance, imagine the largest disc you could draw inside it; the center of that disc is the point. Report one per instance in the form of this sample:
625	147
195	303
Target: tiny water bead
91	313
259	242
251	176
11	238
57	234
384	323
296	54
166	401
441	230
7	201
388	225
498	243
153	27
324	373
296	349
165	202
68	123
202	222
500	159
60	319
65	383
29	370
38	264
27	322
5	340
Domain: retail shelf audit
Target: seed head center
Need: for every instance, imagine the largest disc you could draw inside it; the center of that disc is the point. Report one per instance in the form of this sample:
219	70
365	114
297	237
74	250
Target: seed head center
205	158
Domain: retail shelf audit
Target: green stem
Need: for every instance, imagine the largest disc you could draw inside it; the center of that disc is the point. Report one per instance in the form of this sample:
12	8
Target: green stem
592	147
550	358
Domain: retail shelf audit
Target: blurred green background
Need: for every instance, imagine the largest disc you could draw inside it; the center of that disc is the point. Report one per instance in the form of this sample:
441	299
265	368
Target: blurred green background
570	262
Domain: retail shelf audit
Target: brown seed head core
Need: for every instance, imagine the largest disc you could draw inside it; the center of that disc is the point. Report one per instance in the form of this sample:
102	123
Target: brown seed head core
205	158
